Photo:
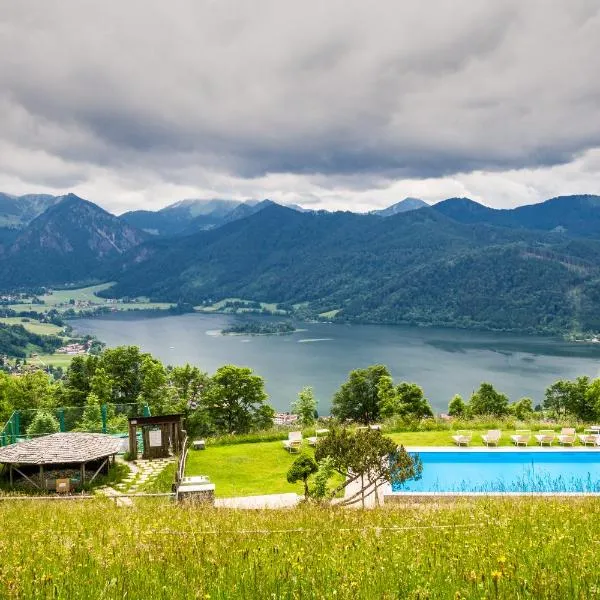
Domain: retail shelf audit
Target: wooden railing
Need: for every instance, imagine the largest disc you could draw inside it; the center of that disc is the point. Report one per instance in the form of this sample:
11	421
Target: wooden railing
181	462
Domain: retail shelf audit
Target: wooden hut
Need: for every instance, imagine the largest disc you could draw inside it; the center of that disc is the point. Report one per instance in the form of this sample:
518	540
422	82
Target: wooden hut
86	453
161	435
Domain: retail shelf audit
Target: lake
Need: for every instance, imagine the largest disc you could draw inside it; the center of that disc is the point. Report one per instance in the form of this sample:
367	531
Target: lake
442	361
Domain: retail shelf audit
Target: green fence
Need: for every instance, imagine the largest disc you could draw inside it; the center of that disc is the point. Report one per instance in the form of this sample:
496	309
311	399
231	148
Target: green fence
105	418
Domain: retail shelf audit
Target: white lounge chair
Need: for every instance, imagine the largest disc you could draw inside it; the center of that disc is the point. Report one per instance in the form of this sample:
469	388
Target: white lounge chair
312	441
521	437
375	427
492	437
545	436
567	436
462	438
589	437
294	441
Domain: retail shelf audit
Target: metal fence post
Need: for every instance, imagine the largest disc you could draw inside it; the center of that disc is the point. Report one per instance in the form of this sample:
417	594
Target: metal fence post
147	411
17	425
61	418
104	413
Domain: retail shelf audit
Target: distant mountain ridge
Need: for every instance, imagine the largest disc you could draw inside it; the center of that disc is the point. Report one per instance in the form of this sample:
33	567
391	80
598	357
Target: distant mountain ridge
576	215
18	211
73	240
531	269
400	207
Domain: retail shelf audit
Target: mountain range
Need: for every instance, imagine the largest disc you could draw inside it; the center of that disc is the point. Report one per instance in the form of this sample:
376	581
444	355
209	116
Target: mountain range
532	269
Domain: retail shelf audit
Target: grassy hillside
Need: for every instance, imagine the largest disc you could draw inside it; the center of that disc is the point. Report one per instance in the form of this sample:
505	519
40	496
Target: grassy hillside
17	341
504	549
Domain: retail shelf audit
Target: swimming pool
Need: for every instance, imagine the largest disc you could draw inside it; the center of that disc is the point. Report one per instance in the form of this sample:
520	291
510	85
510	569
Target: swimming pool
505	471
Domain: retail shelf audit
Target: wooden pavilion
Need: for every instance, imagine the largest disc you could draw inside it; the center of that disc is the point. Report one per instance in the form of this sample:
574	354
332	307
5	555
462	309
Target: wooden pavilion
84	452
161	435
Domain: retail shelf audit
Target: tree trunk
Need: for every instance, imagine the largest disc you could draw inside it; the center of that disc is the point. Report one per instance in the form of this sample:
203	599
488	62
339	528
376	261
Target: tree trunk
362	491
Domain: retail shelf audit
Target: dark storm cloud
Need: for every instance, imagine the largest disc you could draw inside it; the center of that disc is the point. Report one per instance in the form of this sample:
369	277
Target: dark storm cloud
383	89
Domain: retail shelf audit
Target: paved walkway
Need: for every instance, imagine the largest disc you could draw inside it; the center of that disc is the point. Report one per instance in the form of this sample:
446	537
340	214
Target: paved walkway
142	472
112	493
260	502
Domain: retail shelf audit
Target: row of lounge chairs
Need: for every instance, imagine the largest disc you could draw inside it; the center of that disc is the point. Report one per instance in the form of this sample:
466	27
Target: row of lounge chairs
545	437
295	440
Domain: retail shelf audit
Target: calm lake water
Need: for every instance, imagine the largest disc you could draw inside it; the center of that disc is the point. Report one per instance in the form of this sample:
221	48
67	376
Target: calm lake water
443	361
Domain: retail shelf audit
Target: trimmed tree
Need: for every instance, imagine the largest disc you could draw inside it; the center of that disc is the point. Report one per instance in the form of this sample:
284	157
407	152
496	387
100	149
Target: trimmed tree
302	468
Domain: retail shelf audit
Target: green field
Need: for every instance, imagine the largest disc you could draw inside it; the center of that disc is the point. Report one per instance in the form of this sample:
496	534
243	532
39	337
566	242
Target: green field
56	360
494	549
220	307
60	300
330	314
33	326
82	294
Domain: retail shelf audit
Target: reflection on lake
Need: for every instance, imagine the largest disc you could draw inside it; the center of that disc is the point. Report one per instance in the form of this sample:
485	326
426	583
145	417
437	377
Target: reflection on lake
443	361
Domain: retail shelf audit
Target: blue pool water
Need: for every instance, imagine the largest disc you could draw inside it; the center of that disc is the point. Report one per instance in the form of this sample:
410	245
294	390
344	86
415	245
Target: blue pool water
497	471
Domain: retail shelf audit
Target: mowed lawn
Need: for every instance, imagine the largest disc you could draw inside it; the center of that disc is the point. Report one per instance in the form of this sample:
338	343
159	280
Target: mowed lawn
245	469
260	468
444	438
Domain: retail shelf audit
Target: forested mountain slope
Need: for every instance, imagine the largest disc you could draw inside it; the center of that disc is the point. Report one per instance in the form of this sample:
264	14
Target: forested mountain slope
573	215
72	241
415	267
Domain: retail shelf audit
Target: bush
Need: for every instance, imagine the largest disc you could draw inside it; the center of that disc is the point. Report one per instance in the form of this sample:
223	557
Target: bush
43	424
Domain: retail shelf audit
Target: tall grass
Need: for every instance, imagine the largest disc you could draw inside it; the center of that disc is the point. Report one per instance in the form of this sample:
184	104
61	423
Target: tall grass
399	425
486	549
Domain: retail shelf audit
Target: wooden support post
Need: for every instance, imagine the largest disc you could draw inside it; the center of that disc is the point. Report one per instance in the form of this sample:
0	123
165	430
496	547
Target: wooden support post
99	469
82	474
33	483
42	482
10	475
146	441
133	447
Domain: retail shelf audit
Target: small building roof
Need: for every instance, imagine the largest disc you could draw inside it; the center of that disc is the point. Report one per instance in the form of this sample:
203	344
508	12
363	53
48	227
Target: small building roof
60	448
157	420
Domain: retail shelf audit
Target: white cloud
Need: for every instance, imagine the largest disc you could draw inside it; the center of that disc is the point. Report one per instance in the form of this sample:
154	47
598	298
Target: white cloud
343	104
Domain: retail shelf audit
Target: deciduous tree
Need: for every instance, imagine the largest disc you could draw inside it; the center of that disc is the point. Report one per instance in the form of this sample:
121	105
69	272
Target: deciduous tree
235	400
358	399
457	407
305	406
487	401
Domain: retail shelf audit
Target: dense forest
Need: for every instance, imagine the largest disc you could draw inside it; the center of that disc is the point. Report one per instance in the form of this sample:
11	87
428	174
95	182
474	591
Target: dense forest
419	267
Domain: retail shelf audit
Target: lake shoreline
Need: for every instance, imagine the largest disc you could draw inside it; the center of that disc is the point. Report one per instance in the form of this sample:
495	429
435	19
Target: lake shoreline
443	361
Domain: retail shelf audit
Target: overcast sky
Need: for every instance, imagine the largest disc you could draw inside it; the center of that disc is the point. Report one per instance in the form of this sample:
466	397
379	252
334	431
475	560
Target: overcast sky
336	104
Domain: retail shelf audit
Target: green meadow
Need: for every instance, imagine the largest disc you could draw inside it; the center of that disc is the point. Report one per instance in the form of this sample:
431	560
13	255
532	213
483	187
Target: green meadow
33	325
494	549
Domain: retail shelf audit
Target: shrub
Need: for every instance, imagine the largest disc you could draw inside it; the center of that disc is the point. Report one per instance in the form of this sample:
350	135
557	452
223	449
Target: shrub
43	424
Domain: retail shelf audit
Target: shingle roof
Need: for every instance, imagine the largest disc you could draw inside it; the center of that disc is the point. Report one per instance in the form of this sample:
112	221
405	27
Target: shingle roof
60	448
